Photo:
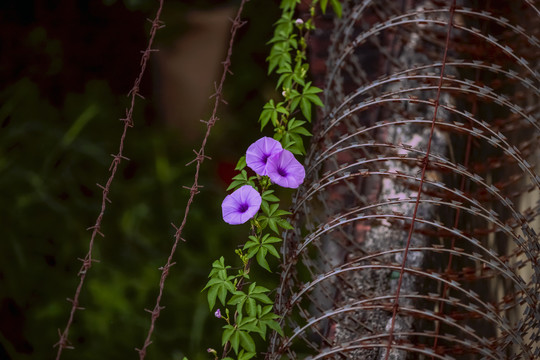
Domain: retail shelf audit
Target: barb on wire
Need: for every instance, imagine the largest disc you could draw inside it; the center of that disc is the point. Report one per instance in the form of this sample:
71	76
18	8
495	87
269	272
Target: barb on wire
200	156
63	342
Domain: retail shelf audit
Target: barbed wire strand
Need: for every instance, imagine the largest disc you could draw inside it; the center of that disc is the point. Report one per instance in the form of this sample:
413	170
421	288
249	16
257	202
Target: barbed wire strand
63	342
194	189
420	186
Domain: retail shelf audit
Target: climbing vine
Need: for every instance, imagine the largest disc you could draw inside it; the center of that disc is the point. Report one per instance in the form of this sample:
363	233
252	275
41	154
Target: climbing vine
247	307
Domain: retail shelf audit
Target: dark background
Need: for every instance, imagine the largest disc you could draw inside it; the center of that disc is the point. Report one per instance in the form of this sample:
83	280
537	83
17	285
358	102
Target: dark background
65	70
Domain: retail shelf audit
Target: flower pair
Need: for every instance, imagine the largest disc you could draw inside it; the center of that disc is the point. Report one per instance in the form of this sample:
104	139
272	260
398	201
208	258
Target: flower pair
266	157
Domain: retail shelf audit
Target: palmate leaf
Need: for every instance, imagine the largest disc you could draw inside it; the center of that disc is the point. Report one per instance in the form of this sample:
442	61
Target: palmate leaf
242	178
279	57
266	318
219	288
219	269
272	217
271	112
260	248
254	295
219	284
305	99
422	185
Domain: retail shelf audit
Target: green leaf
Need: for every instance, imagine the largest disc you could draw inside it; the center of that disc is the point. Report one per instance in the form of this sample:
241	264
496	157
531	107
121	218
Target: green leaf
314	99
304	99
310	90
300	69
252	252
251	244
261	259
219	288
298	144
245	355
241	163
227	333
235	340
263	298
301	131
219	269
251	307
238	299
295	99
274	325
289	4
285	224
336	5
285	80
324	3
235	183
246	341
271	112
309	96
279	56
270	239
222	292
241	176
211	296
281	213
263	221
267	244
267	195
273	209
294	123
272	225
265	207
214	281
305	106
249	323
272	250
266	114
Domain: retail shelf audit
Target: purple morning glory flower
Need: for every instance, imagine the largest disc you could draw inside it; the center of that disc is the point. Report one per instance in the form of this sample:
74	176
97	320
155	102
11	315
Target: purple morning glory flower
258	153
284	170
241	205
218	314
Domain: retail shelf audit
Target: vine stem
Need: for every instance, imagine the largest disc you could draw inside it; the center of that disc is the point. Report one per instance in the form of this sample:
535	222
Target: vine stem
63	342
239	287
395	307
194	189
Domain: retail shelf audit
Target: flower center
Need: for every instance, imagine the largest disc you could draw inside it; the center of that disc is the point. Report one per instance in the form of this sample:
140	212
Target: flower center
265	158
243	207
281	172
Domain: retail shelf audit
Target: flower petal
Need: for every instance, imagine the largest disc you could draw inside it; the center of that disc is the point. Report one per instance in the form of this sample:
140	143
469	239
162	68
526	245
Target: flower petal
258	153
284	170
241	205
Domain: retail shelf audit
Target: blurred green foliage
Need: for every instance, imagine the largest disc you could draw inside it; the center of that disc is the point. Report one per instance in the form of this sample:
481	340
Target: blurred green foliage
55	147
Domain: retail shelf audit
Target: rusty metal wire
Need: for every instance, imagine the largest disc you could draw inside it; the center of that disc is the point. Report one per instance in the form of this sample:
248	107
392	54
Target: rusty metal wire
416	233
63	342
237	23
